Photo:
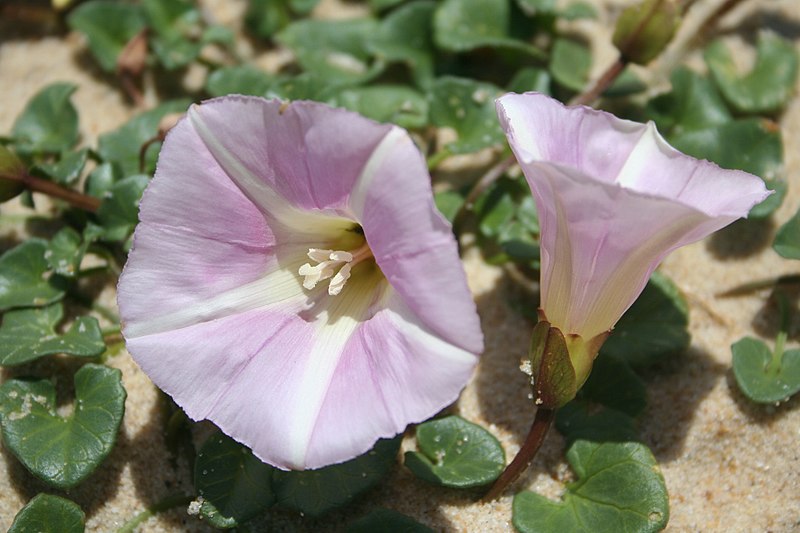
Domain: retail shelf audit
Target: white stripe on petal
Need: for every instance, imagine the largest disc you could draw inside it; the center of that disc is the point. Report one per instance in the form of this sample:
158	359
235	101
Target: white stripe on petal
263	196
280	286
386	147
335	322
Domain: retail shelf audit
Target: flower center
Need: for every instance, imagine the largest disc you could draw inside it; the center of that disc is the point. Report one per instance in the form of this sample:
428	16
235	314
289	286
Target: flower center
327	263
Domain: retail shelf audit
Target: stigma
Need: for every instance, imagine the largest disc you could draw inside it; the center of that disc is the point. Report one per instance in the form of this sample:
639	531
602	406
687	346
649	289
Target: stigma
328	262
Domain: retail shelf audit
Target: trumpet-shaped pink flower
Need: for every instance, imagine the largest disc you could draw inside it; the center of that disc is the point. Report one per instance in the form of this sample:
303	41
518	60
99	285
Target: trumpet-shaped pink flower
292	281
614	199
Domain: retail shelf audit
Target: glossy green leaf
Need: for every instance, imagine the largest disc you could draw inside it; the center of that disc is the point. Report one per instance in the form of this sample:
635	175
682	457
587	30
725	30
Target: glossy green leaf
107	26
456	453
467	106
787	240
530	79
404	35
463	25
570	62
65	252
123	145
753	145
765	376
614	384
768	86
779	188
101	179
334	50
67	170
24	277
240	79
119	211
305	86
448	203
579	420
693	104
175	25
49	122
28	334
655	325
234	484
46	513
386	103
63	451
266	17
315	492
619	488
387	521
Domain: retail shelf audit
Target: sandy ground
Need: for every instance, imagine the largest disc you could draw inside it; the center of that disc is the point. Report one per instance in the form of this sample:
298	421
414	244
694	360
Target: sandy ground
729	465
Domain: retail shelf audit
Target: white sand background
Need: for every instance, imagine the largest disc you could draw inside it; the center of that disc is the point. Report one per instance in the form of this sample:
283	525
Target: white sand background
730	465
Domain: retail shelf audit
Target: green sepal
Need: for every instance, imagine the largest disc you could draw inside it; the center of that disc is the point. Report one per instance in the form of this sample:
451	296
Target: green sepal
552	375
645	29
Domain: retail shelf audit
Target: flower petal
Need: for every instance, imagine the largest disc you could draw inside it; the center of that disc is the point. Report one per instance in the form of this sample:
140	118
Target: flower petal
613	199
412	243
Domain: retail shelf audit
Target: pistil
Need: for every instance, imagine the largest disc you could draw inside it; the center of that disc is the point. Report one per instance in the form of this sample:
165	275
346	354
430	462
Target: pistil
328	263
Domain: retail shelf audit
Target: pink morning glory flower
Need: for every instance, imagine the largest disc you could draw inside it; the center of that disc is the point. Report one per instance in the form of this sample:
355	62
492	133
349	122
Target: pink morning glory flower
613	199
292	281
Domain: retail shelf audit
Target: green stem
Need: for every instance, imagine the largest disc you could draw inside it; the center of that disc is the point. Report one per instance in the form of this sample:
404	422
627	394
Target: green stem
435	159
166	504
780	342
777	356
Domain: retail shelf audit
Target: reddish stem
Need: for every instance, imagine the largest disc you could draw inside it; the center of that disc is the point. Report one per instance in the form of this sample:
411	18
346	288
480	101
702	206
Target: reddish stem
541	425
603	83
72	197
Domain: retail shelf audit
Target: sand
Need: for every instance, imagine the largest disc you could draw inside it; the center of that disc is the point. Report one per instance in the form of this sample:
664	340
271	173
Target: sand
729	465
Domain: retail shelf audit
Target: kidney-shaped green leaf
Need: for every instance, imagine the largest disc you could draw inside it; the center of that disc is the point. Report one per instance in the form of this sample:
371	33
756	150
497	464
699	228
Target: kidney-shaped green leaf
405	35
462	25
234	484
765	376
46	513
63	451
456	453
654	326
28	334
123	145
315	492
386	103
768	86
787	240
49	122
387	521
239	79
23	277
108	26
619	488
333	50
119	211
467	106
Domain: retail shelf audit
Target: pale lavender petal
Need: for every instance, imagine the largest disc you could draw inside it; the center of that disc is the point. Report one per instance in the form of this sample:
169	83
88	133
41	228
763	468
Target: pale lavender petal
614	199
413	244
214	307
370	379
199	235
302	154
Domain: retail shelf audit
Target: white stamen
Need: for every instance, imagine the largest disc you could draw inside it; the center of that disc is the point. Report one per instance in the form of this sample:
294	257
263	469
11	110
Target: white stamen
329	261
